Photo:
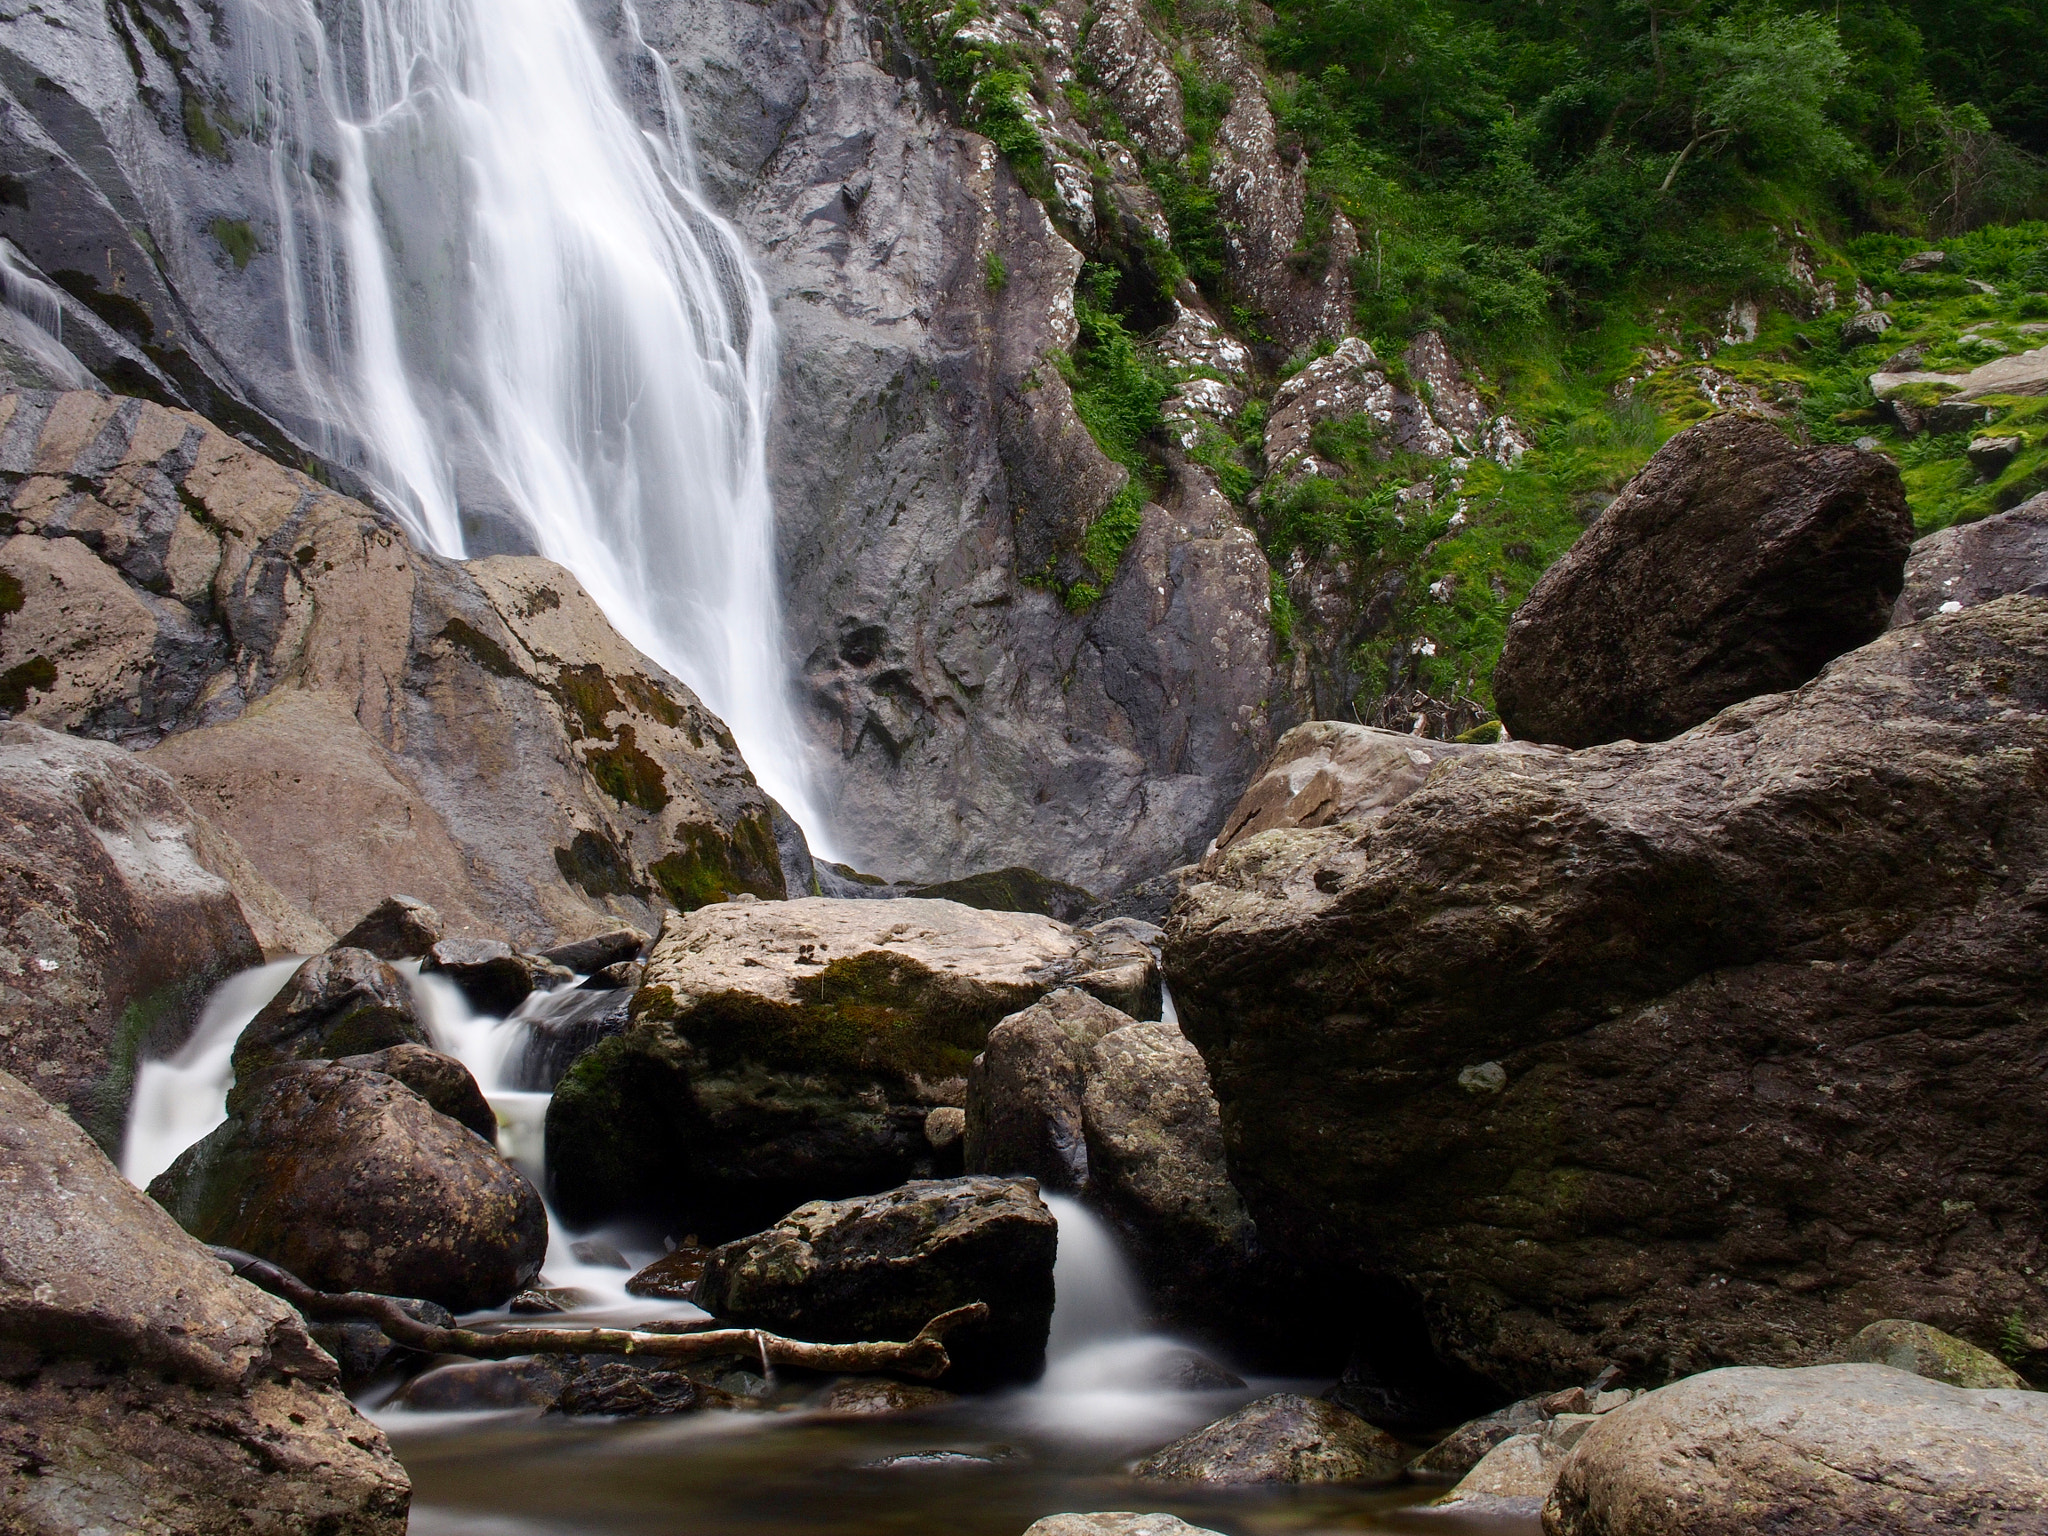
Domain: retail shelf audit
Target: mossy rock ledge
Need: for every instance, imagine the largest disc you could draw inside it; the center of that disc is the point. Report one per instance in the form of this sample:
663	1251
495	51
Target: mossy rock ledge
789	1051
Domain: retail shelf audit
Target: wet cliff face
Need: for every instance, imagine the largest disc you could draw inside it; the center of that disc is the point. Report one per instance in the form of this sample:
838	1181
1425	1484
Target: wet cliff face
934	481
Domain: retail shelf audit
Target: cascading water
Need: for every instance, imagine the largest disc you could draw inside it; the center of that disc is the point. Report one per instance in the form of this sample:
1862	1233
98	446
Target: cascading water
510	304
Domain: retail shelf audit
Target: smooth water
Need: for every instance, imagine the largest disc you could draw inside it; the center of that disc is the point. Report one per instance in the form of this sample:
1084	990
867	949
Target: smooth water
511	307
984	1466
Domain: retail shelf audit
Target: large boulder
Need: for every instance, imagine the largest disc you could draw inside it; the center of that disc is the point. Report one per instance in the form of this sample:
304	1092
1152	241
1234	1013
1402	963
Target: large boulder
789	1051
356	713
397	928
112	928
1973	563
354	1182
441	1080
884	1266
1825	1449
1701	1052
142	1386
1281	1439
1735	564
345	1002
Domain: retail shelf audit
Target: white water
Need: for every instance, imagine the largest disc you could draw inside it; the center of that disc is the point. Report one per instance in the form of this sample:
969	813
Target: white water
522	308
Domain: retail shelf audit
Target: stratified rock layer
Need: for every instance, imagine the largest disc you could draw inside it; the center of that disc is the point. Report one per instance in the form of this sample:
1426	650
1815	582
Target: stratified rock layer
357	714
354	1182
145	1388
1735	564
884	1266
1808	1453
112	928
1668	1056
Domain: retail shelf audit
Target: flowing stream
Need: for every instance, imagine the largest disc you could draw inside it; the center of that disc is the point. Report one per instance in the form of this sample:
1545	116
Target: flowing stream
512	310
984	1466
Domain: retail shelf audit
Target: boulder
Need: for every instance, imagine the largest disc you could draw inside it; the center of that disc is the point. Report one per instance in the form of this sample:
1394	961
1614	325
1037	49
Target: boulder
1823	1449
397	928
144	1388
1115	1522
674	1275
1735	564
112	929
1281	1439
352	1181
787	1051
883	1266
864	1397
1467	1445
1156	1169
586	957
345	1002
1330	771
575	1385
1692	1053
441	1080
1989	454
1973	563
1024	1090
492	976
358	714
1925	1351
565	1024
1516	1476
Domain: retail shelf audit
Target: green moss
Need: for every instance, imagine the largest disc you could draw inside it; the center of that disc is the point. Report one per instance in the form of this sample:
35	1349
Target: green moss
38	673
628	774
590	697
236	238
201	130
1486	731
482	649
1016	889
598	865
995	275
708	866
11	594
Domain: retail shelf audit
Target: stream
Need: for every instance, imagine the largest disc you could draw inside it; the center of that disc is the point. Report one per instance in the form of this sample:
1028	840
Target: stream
984	1466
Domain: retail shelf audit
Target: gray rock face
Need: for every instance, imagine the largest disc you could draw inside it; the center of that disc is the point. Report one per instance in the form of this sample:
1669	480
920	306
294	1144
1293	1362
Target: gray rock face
883	1266
927	462
345	1002
352	1181
1611	1026
1925	1351
786	1051
112	927
145	1388
1735	564
1281	1439
476	734
1976	562
1825	1449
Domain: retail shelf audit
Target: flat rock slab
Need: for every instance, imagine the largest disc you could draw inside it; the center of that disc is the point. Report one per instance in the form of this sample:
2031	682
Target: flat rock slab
1821	1450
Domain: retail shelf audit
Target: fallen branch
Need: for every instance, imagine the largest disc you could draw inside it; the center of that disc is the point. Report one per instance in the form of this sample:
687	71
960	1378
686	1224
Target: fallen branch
923	1356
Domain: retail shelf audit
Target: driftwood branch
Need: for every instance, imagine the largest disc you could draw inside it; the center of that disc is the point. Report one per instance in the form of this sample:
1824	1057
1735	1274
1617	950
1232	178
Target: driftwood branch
923	1356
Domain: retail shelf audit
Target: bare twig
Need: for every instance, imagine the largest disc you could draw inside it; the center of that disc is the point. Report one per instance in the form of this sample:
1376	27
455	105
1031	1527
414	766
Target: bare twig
923	1356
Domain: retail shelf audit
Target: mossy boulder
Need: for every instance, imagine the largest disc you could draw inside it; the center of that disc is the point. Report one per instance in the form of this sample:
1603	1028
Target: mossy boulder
345	1002
790	1051
1925	1351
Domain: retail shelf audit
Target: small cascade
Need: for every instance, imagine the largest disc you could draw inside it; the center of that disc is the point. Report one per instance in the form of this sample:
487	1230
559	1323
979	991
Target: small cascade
32	318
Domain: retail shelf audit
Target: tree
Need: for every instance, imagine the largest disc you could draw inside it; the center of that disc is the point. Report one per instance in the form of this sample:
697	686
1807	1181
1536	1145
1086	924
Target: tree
1761	81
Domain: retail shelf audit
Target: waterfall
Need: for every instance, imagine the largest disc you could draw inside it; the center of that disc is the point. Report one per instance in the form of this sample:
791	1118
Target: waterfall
513	312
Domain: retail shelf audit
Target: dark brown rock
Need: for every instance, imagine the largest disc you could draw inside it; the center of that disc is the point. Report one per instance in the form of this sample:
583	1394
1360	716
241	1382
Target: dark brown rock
112	930
1281	1439
397	928
1697	1052
346	1002
441	1080
1812	1452
864	1397
1973	563
352	1181
673	1275
589	956
1735	564
493	976
144	1387
883	1266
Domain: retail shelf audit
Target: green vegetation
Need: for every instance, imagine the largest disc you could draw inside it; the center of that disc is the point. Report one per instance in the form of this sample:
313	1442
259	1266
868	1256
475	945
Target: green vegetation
994	274
236	238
